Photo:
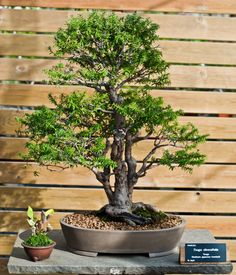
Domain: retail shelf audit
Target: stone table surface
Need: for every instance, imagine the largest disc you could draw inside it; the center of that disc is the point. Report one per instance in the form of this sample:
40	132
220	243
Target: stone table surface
63	261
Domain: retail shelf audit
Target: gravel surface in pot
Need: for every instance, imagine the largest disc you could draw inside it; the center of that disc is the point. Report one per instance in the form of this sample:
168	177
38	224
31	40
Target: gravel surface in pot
88	219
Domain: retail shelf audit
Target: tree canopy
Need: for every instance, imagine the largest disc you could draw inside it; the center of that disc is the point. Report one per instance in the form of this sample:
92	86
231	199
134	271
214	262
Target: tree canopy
120	59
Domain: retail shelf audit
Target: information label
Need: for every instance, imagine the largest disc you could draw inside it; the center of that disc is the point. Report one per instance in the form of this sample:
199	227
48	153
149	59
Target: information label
205	252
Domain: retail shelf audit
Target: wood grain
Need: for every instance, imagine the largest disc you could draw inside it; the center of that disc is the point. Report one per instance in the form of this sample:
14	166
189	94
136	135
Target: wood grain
173	51
216	151
215	127
188	101
198	6
6	244
171	25
80	198
204	177
180	75
12	221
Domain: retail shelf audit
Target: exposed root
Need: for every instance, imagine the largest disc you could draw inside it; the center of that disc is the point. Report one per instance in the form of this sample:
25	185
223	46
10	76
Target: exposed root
143	206
140	214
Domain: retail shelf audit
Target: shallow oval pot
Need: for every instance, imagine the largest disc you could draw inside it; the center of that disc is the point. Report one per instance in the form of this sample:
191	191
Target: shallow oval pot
90	242
38	253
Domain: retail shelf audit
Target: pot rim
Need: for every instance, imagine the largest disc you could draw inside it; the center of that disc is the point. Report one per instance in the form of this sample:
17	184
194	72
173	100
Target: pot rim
38	247
183	223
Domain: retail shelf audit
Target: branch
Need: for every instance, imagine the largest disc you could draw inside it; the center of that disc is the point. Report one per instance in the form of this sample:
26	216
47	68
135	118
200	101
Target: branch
137	138
131	162
108	146
149	166
139	73
61	168
104	178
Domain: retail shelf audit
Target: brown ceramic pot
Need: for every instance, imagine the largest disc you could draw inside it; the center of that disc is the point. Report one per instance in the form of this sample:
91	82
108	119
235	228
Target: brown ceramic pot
38	253
90	242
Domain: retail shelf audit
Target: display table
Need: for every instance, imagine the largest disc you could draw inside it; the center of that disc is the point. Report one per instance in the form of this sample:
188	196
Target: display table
63	261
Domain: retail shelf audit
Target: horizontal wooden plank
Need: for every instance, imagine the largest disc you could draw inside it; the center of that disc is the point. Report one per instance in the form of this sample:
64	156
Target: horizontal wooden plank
180	75
8	122
188	101
37	95
198	6
173	51
202	77
215	127
204	177
198	52
171	26
80	198
220	226
216	151
6	244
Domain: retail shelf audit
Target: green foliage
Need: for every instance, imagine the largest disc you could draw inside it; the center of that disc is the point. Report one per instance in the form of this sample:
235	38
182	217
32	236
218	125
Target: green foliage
154	216
49	212
73	133
106	50
31	218
40	239
109	53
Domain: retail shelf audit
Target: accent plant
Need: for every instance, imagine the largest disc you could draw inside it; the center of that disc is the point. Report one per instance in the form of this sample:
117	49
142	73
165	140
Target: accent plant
119	58
39	228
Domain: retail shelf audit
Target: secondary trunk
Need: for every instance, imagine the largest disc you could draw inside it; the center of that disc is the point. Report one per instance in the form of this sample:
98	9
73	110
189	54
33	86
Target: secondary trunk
122	199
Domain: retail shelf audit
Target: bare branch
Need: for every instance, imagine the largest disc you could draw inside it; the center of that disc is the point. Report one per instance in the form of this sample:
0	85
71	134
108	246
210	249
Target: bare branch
60	167
104	178
149	166
137	138
139	73
107	148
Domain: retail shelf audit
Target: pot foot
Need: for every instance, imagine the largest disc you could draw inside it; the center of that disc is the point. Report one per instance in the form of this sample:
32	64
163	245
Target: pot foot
160	254
83	253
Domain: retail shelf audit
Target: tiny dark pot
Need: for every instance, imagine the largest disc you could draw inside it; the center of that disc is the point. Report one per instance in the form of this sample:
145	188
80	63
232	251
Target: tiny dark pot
38	253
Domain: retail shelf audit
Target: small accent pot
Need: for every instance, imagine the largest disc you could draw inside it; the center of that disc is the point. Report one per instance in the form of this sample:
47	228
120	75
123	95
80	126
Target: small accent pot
38	253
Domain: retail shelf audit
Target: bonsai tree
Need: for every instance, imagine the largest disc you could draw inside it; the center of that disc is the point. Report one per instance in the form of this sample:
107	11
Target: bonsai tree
119	58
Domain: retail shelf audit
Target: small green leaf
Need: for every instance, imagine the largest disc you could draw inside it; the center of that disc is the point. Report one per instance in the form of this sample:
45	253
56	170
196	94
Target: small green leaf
30	213
49	212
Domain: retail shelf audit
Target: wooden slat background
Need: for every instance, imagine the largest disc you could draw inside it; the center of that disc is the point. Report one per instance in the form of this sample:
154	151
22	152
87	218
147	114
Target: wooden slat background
199	6
216	151
173	51
198	39
186	76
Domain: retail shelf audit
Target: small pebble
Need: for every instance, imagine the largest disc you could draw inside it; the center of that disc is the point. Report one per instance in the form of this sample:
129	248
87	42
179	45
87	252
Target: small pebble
88	219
